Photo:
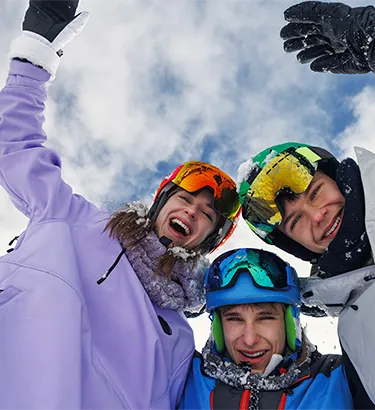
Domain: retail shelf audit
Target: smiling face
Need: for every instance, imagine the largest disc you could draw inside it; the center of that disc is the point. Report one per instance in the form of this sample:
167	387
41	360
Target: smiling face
314	217
187	219
253	333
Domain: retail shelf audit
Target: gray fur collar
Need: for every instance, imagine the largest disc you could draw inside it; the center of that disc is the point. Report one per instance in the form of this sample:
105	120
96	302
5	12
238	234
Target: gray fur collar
184	291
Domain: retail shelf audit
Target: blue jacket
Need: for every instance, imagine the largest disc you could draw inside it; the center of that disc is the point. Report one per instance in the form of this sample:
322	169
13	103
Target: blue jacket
320	385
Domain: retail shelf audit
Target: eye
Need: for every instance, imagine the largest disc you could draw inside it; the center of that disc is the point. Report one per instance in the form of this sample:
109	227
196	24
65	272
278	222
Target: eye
294	222
267	318
314	192
208	215
233	319
185	198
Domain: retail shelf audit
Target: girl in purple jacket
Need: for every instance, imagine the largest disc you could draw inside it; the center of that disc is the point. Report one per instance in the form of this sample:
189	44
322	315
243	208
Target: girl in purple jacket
72	337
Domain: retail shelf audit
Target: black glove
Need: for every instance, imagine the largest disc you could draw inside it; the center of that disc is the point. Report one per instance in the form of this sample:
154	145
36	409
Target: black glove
49	25
49	17
332	36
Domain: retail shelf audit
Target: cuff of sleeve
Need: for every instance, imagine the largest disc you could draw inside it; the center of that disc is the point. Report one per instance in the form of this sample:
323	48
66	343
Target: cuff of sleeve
29	70
35	49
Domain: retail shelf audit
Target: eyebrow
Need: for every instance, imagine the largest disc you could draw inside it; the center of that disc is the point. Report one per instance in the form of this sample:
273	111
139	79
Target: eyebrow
268	313
231	313
259	313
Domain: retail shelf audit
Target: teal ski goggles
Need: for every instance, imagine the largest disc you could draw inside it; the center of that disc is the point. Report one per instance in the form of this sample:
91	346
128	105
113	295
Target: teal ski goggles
266	269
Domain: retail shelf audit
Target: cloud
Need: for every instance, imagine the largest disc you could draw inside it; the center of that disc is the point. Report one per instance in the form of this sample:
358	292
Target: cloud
360	132
148	85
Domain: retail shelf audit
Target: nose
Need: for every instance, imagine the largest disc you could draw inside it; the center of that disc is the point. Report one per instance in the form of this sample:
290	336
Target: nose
317	215
250	335
191	211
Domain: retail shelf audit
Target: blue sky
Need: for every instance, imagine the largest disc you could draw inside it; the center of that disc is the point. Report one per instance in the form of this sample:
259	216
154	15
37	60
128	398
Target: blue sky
150	84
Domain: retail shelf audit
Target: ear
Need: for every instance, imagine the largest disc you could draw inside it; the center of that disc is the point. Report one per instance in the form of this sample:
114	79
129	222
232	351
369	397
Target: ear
217	332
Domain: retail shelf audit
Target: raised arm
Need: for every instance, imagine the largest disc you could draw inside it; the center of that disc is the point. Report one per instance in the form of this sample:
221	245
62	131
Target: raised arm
29	172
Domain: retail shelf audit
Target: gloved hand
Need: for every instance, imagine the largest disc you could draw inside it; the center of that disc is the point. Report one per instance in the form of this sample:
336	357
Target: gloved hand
332	36
49	25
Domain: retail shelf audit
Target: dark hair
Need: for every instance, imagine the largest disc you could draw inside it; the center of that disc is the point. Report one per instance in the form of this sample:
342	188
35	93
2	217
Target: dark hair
283	197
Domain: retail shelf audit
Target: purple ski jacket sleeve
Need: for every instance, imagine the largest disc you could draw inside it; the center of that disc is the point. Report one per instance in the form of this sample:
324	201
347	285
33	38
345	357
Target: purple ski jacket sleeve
30	172
67	343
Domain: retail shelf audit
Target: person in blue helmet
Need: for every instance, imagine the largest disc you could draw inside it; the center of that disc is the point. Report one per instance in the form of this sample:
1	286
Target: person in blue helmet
257	355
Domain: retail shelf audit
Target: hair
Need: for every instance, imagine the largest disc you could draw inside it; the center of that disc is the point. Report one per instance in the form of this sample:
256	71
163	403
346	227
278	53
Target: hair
130	227
283	197
268	305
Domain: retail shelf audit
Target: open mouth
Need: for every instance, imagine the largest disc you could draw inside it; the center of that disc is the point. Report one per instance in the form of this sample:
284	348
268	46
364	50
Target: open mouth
334	226
255	355
179	227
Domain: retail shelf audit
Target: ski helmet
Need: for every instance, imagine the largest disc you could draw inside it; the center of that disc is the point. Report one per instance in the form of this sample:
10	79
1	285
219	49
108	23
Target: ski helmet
289	168
247	275
193	176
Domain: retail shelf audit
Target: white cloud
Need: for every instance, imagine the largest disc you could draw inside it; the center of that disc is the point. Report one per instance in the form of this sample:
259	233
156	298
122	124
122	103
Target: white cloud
150	81
361	131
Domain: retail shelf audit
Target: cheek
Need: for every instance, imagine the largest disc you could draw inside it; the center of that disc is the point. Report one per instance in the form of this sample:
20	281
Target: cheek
159	220
229	334
281	341
206	227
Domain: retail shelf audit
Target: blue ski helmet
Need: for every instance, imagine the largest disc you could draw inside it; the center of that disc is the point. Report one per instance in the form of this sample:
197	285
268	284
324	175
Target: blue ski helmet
246	275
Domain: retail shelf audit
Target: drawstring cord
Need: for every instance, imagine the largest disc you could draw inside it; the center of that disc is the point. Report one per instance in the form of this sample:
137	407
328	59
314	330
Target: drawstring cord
11	243
114	264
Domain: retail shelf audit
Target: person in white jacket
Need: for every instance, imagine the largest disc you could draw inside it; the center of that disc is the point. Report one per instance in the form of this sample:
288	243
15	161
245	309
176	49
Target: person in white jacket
304	201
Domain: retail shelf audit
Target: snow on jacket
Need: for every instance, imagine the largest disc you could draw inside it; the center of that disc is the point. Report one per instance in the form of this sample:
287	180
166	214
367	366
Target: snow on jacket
351	295
321	384
65	342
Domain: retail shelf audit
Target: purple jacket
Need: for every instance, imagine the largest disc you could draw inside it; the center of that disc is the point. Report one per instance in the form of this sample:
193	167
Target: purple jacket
66	342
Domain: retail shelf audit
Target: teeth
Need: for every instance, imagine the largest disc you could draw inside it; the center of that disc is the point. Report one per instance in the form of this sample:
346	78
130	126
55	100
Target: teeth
334	226
180	223
253	355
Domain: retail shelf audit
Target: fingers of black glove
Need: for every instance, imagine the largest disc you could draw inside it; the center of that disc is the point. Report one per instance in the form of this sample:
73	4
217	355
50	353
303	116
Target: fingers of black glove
302	43
316	12
295	30
310	54
341	63
332	63
48	18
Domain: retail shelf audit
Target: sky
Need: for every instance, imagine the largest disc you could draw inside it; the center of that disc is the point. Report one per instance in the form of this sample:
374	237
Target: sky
150	84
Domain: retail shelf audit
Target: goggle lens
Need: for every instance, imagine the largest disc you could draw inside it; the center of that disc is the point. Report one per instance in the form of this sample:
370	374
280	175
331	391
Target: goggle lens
285	172
268	272
194	176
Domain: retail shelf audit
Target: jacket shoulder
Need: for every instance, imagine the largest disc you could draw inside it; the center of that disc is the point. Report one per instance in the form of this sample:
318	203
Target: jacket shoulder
325	364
